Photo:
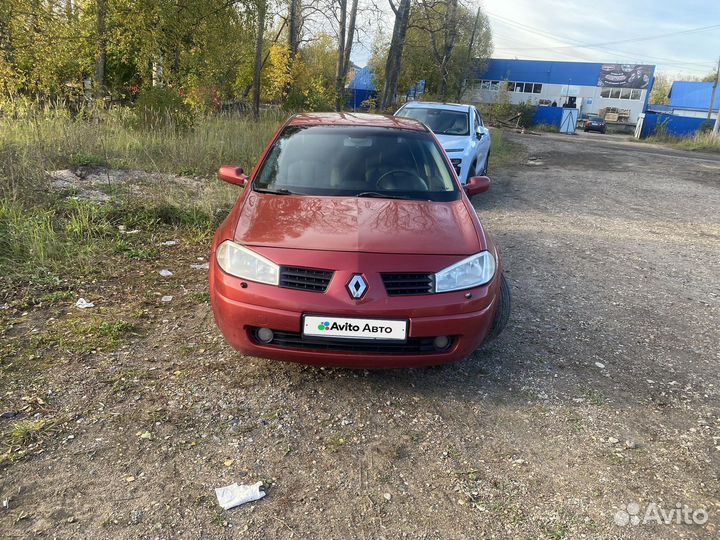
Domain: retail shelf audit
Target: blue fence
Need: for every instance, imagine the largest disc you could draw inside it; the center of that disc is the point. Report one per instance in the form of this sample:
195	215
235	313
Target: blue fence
675	126
550	116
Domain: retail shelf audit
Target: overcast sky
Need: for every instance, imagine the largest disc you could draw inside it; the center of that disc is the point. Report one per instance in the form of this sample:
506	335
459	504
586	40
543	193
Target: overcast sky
590	31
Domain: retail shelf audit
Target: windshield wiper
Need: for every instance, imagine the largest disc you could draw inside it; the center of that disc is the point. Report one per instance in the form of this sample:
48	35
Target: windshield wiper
376	195
279	191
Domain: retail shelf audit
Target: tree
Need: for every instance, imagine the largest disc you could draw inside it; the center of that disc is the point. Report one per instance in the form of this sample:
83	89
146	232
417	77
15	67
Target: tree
259	36
346	35
294	27
450	31
425	47
101	52
393	64
660	93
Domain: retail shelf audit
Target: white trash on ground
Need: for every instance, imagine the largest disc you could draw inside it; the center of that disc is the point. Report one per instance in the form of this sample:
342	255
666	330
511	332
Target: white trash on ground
202	266
167	298
169	243
83	304
234	495
166	273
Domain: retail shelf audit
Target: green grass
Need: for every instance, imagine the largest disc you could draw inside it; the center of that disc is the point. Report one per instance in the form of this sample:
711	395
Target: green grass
45	235
503	151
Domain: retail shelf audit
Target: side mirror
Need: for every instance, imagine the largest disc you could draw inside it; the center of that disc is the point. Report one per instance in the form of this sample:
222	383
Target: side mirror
232	175
479	134
477	185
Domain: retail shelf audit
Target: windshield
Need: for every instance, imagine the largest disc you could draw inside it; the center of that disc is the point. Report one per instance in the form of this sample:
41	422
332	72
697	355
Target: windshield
441	121
356	161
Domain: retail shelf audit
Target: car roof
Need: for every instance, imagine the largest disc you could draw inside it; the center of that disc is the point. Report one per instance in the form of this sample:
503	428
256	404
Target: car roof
436	105
355	119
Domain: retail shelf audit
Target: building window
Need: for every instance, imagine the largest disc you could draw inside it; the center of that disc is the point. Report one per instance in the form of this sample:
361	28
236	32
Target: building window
494	86
621	93
537	88
484	85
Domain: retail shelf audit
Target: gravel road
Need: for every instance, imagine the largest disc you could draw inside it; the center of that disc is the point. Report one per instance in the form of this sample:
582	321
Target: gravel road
602	392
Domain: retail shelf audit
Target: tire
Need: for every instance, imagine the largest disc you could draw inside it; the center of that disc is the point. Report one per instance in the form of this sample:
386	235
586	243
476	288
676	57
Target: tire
487	165
502	315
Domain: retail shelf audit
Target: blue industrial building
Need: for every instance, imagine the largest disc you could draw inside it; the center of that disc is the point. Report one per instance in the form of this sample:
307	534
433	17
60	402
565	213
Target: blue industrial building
687	112
617	92
361	89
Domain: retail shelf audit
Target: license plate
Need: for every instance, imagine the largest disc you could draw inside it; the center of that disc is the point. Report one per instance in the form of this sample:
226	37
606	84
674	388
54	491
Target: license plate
343	327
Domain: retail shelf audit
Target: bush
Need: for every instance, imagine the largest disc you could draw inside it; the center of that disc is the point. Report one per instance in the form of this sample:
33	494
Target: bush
707	126
161	107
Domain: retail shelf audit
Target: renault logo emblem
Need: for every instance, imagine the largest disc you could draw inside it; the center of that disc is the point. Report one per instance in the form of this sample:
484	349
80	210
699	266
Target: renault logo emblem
357	286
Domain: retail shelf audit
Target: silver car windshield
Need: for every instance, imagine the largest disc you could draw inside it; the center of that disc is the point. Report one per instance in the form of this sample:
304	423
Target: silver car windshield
441	121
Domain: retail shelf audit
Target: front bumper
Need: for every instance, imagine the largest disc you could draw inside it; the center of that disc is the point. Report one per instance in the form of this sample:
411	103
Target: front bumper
239	312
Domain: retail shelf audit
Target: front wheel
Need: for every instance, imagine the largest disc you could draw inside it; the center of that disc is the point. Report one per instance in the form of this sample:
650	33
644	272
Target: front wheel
487	165
502	315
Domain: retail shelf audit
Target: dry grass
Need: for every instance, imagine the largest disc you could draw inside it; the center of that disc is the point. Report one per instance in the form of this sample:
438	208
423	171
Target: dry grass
702	142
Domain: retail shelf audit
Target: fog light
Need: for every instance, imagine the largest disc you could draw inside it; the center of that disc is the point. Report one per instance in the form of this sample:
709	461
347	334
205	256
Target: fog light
441	342
265	335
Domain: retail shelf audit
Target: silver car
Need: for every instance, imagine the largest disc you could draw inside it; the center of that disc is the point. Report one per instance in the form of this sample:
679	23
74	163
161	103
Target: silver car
460	130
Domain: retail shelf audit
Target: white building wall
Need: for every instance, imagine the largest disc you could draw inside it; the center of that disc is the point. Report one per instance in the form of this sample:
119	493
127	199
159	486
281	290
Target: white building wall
589	98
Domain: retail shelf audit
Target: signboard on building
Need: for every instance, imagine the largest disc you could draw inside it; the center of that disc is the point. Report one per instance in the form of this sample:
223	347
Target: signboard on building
625	76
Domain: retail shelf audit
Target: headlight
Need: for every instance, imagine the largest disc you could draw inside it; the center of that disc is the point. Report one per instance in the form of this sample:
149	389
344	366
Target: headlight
471	272
241	262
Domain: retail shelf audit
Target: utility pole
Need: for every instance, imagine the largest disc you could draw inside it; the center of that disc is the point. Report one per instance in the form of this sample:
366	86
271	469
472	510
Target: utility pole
712	96
712	101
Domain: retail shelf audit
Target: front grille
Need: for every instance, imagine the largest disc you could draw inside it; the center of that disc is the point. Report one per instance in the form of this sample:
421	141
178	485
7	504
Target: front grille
292	340
305	279
407	284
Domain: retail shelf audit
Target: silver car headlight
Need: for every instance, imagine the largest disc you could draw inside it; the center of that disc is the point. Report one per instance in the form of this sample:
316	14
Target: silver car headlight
244	263
471	272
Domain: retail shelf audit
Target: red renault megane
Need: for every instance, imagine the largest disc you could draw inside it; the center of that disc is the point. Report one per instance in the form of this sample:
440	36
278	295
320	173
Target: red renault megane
353	244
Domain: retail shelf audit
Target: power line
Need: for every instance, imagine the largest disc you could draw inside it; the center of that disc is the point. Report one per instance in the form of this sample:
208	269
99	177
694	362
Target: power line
617	42
538	31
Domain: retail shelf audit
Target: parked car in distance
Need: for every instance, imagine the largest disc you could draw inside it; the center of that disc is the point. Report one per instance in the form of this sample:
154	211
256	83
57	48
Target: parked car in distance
595	123
461	131
353	244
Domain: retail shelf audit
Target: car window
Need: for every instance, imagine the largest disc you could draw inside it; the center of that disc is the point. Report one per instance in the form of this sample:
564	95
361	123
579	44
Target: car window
351	161
441	121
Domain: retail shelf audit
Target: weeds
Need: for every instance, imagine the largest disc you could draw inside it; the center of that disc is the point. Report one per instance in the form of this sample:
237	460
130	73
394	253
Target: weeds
702	142
115	330
16	443
503	151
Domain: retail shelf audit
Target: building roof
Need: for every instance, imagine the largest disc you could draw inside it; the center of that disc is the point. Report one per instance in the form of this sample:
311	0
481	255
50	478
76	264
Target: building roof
543	71
693	96
355	119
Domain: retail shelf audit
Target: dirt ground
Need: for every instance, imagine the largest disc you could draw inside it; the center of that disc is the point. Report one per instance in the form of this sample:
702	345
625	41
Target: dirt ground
603	390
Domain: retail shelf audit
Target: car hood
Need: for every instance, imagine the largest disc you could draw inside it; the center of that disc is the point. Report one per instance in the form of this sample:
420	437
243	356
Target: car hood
453	141
357	224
